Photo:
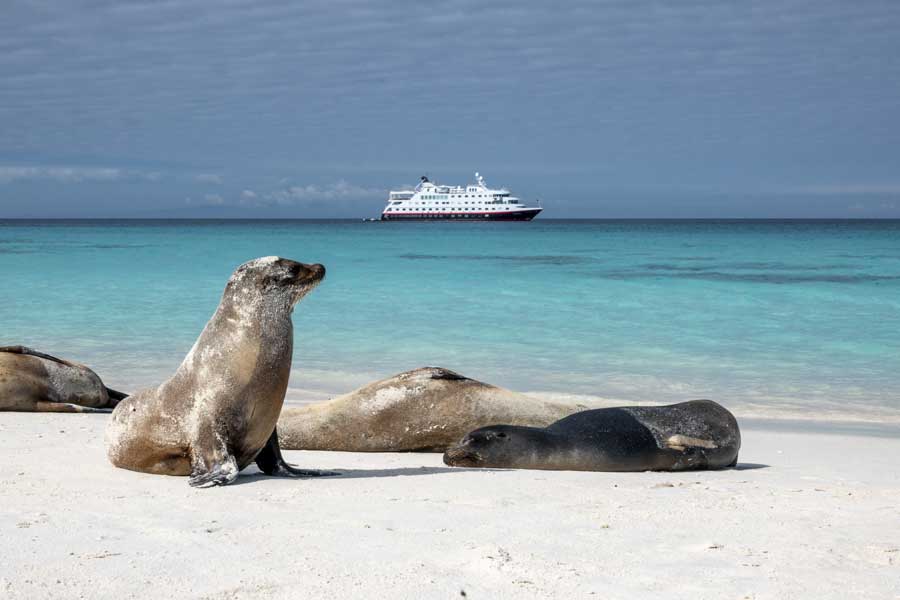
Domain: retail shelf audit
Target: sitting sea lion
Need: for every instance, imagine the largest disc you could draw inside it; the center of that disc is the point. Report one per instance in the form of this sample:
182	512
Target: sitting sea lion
699	434
31	381
426	409
217	413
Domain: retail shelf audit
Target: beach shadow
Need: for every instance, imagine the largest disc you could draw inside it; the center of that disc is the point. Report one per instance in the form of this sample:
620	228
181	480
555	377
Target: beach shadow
749	466
254	476
402	472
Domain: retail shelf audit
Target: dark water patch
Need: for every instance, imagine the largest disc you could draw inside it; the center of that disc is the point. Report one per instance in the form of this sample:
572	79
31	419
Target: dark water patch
781	266
115	246
16	251
672	267
774	278
545	259
870	256
746	266
52	247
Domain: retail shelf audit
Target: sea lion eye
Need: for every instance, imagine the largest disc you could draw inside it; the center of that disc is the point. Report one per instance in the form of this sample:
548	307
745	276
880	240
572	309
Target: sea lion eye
501	434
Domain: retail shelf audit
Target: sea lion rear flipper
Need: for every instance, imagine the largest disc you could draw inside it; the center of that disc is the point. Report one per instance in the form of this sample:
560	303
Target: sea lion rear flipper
115	396
270	462
65	407
680	442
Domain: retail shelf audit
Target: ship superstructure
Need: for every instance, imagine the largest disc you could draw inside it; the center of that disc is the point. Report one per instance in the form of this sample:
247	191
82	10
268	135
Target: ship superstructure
428	201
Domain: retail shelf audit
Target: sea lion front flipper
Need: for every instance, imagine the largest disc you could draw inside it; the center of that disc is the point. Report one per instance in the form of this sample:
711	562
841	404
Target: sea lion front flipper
221	473
211	461
270	462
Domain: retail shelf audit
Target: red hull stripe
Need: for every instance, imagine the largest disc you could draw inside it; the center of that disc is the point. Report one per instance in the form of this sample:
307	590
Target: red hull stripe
452	214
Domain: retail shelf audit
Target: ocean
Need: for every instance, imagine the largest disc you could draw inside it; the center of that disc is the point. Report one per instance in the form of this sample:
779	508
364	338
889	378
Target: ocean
797	319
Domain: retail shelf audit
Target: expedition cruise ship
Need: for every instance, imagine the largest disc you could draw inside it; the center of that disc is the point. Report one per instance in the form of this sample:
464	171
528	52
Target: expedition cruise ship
429	201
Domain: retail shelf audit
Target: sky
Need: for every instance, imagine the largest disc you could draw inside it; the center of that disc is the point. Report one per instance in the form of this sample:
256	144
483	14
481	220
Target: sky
705	108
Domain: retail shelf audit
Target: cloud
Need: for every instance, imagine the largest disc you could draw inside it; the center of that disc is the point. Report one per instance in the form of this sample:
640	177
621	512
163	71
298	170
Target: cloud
207	200
852	189
296	195
339	195
63	174
728	94
208	178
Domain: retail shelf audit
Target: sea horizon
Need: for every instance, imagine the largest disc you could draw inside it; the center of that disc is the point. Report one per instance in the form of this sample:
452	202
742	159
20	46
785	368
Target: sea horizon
461	222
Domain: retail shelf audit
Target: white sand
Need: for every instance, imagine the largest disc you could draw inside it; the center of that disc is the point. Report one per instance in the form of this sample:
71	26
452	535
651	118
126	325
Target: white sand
822	520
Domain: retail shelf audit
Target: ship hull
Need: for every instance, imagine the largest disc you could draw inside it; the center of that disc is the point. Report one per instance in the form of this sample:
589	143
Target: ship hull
512	215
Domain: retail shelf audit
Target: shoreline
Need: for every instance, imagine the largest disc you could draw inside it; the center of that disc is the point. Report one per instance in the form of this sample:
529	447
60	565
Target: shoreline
885	423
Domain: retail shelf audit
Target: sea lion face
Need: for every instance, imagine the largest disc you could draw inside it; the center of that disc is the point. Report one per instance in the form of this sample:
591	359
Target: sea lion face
495	446
280	277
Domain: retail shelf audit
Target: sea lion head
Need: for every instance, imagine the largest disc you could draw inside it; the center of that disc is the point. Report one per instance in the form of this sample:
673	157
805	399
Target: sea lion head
276	278
501	446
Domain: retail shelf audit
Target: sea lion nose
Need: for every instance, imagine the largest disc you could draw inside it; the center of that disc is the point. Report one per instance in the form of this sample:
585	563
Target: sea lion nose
318	270
456	454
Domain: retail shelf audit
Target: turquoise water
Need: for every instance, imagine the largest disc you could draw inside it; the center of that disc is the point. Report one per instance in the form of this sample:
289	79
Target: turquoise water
783	315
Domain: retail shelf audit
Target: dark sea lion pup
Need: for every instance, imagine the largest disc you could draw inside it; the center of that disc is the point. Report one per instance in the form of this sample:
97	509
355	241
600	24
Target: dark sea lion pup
699	434
31	381
217	413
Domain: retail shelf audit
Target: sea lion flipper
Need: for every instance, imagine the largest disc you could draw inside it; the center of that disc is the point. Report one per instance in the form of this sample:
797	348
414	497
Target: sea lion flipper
211	461
680	442
115	396
220	473
65	407
270	462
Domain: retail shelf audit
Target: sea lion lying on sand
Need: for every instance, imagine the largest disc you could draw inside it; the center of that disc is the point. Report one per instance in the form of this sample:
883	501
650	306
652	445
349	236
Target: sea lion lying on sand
699	434
31	381
217	413
426	409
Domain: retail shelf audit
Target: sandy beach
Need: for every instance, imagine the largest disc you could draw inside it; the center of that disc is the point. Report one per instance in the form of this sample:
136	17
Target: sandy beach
809	513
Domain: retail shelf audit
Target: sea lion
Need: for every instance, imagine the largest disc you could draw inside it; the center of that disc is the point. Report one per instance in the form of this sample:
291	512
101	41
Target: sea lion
426	409
217	413
31	381
699	434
